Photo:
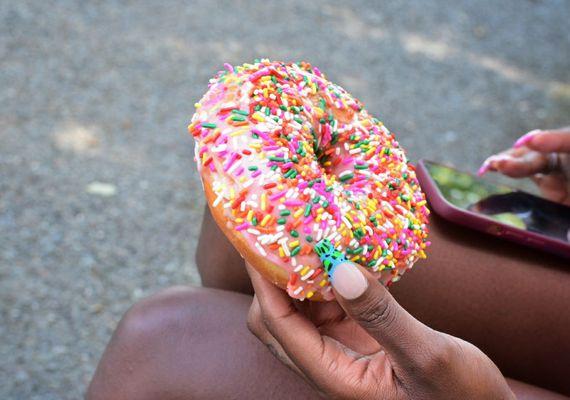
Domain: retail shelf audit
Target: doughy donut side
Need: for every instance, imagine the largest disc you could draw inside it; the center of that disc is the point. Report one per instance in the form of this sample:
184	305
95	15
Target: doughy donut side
266	268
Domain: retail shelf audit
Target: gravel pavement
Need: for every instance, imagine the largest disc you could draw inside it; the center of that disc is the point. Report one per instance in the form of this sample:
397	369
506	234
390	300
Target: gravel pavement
99	199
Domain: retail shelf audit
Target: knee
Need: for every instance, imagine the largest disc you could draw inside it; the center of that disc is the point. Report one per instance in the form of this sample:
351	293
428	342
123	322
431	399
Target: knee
144	341
163	315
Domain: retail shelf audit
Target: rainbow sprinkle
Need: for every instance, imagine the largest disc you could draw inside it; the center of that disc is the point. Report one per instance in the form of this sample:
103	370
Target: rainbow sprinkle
294	160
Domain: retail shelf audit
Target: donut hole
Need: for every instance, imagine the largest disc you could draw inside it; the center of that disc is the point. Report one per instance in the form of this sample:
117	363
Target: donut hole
329	147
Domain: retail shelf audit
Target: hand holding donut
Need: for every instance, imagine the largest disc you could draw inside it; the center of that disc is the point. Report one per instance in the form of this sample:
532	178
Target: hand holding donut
367	346
544	156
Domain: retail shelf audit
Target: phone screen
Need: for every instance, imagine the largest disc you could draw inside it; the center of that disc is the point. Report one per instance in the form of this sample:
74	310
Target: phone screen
502	203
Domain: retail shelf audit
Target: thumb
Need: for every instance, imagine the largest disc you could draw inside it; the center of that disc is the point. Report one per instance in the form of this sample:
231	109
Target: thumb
365	300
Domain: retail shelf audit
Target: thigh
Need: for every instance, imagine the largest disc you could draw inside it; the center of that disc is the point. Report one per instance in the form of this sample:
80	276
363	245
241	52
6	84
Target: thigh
510	301
190	343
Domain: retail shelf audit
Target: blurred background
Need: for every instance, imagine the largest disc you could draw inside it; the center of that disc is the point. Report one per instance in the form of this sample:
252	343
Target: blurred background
100	203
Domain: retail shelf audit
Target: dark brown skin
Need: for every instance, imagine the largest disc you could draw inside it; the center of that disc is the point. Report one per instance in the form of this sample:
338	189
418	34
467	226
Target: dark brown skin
369	347
171	346
510	302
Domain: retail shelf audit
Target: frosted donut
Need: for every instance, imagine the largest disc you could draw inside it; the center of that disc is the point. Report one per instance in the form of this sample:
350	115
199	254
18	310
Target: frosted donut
299	176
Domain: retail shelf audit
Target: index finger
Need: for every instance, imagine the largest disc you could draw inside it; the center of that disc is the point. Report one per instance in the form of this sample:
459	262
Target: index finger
298	337
523	165
546	141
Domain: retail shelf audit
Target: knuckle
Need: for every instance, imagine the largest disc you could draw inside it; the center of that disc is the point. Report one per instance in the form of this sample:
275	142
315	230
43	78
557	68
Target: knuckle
272	320
254	321
268	321
331	365
251	326
377	313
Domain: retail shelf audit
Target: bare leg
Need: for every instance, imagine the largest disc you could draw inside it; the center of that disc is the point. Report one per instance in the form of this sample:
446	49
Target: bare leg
511	302
188	343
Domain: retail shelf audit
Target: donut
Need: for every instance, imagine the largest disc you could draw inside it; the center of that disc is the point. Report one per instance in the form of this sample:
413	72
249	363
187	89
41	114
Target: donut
300	177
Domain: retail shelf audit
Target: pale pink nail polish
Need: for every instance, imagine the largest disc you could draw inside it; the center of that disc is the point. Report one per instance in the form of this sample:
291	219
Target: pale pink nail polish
348	281
484	168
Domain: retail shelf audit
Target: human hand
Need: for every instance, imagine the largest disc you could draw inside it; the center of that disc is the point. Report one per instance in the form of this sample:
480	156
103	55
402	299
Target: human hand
541	155
367	346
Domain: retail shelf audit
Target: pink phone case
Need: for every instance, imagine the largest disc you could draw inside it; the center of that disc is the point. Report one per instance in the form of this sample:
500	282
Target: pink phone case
484	224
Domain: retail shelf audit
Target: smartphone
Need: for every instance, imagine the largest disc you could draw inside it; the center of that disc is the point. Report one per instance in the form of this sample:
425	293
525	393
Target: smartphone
496	209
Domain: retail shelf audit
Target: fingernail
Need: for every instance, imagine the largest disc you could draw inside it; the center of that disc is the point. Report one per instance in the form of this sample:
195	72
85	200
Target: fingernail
484	168
348	281
525	138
